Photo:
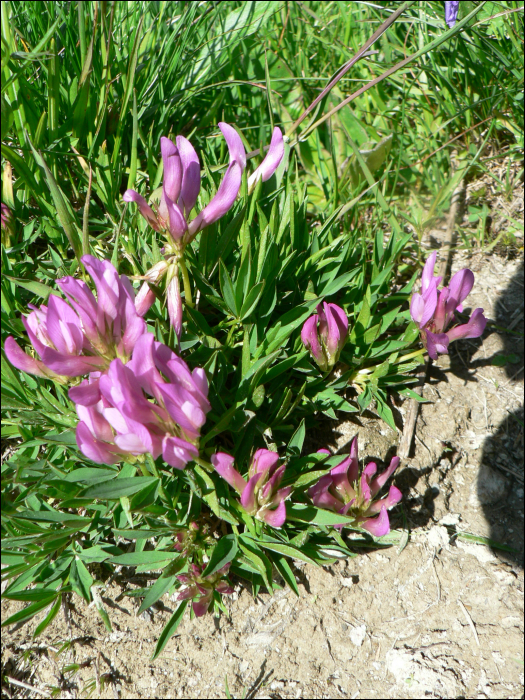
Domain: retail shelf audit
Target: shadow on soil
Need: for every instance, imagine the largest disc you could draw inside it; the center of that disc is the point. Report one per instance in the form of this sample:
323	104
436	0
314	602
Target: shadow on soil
500	480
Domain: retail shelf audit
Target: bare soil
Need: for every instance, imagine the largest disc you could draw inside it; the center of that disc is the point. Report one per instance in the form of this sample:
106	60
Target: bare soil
443	617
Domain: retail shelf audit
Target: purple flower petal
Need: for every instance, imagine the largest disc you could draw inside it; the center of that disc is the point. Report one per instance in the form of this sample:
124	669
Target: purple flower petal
436	343
93	418
144	207
417	308
263	461
183	408
175	304
340	479
230	185
63	327
459	288
473	329
271	162
393	498
21	360
248	494
144	300
223	465
235	144
271	486
321	496
377	526
107	282
353	469
172	169
451	12
310	338
428	271
274	518
177	452
143	366
71	365
177	222
93	449
81	298
200	606
136	443
379	481
191	175
280	495
222	202
336	330
86	394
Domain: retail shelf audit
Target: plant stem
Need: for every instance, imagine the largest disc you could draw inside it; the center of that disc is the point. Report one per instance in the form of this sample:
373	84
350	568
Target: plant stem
203	463
186	282
422	351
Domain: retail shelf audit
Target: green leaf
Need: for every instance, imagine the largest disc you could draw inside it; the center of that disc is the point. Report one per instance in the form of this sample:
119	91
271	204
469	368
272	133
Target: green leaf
153	558
297	440
159	588
286	572
113	490
317	516
223	553
41	290
338	283
227	289
260	561
26	613
286	550
51	516
65	214
170	628
283	329
80	579
32	595
251	300
361	325
48	619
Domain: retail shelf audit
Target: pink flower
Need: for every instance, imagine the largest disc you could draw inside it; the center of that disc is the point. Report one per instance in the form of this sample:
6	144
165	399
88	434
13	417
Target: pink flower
270	163
324	334
434	311
344	491
118	419
84	337
181	186
201	588
260	495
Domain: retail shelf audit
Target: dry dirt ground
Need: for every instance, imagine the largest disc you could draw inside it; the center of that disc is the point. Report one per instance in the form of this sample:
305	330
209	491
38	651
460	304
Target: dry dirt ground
443	617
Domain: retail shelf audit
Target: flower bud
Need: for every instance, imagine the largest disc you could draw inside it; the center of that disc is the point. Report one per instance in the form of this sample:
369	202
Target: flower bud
324	334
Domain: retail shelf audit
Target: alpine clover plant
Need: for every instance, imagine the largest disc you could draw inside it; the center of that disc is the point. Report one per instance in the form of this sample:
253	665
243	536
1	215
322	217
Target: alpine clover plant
174	419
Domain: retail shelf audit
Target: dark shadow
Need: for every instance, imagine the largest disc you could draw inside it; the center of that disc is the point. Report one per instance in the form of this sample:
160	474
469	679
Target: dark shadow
263	677
500	480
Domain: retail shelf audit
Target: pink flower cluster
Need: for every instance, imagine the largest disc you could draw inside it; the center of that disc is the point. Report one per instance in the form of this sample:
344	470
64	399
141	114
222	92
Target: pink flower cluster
201	588
140	397
260	495
434	311
74	340
344	491
117	418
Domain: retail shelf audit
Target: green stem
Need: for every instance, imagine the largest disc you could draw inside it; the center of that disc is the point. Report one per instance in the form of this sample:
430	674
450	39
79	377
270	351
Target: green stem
186	282
144	469
204	464
422	351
